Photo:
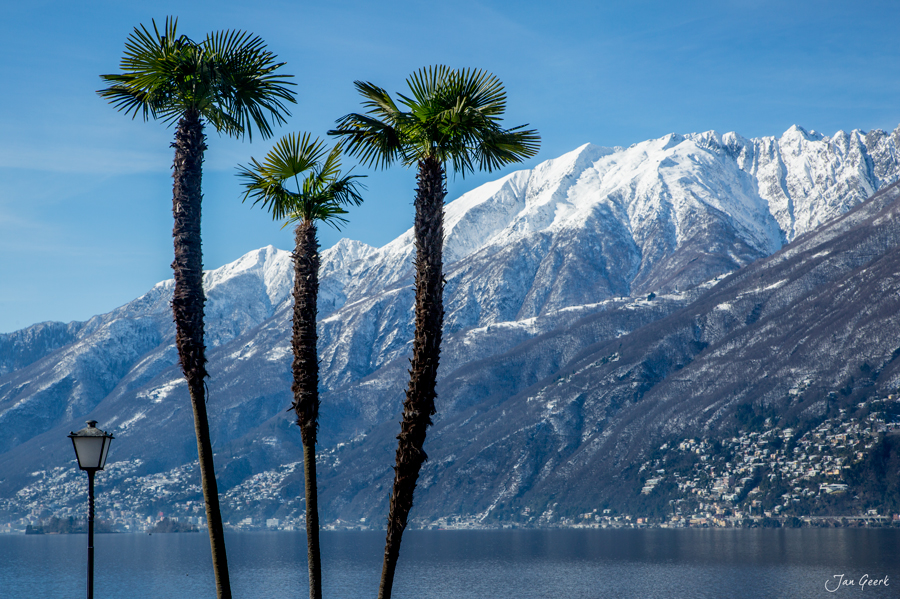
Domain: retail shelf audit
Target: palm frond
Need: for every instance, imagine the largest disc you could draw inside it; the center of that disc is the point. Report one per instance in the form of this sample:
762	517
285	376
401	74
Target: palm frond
331	166
229	78
373	142
301	162
346	190
293	155
375	138
451	115
328	213
378	102
426	84
248	86
151	68
481	92
497	149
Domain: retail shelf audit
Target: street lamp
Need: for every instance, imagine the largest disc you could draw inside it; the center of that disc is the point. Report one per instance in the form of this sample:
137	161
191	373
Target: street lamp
91	448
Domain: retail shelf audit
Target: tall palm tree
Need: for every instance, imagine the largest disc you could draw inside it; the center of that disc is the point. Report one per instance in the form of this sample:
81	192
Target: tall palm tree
227	80
452	117
320	196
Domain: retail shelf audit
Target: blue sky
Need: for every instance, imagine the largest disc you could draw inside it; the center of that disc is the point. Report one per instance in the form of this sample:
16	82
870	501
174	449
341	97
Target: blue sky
85	192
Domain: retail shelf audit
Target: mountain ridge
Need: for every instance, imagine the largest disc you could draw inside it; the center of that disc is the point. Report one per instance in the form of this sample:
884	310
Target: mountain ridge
584	238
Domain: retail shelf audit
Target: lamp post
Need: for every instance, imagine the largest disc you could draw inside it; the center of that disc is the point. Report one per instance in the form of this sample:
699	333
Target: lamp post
91	448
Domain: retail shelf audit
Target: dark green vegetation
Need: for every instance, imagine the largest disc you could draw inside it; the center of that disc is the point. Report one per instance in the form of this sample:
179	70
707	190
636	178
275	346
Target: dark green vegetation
451	117
172	525
66	526
320	197
227	80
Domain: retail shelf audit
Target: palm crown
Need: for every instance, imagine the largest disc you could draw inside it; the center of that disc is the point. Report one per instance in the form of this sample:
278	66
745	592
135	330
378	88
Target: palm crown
228	78
451	115
320	195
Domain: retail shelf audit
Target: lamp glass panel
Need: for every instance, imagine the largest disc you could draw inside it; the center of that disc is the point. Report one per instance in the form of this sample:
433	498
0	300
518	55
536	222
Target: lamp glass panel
89	451
106	445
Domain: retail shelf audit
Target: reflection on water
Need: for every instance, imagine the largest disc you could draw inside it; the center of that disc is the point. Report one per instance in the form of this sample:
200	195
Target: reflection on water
569	564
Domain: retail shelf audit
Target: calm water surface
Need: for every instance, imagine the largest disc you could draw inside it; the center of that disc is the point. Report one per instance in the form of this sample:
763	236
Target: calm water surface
565	564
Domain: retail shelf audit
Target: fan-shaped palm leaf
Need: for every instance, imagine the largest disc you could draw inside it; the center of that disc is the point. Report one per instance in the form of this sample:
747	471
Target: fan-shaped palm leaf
321	193
229	78
449	115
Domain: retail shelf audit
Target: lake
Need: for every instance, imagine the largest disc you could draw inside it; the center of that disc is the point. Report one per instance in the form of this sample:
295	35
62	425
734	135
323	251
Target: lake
513	564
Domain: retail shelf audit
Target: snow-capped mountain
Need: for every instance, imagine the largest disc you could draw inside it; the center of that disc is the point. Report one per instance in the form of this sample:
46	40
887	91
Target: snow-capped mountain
601	223
529	259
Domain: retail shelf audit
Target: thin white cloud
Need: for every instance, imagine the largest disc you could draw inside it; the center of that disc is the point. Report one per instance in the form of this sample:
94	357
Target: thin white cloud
83	160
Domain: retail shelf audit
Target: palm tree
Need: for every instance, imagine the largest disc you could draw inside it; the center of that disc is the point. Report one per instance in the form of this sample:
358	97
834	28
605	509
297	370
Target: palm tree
320	196
228	81
451	117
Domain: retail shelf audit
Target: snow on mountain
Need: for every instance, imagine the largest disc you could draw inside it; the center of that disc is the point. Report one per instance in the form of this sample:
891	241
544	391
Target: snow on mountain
587	233
133	344
653	198
599	223
805	177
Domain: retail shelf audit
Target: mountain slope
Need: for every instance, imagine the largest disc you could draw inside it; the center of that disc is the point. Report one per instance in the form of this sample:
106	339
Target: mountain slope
805	333
544	268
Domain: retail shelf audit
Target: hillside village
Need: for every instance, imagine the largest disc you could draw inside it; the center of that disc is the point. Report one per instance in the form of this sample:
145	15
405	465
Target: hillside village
769	477
784	474
772	477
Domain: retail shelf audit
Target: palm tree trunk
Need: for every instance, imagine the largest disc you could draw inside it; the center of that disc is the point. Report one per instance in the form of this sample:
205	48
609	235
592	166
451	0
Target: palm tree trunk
187	308
306	384
420	395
